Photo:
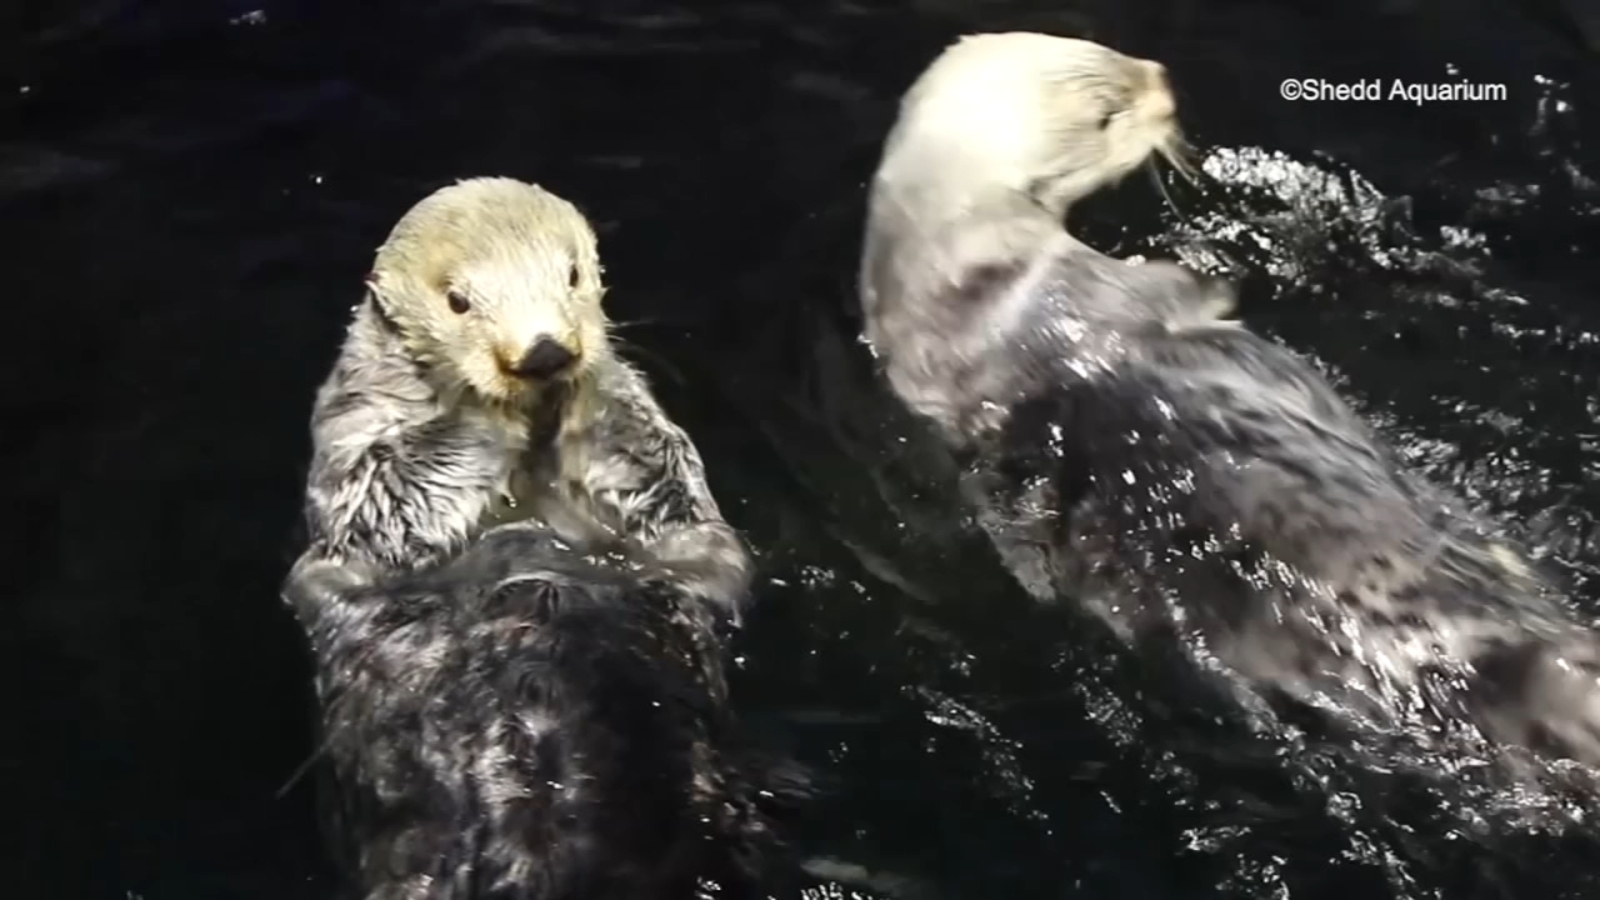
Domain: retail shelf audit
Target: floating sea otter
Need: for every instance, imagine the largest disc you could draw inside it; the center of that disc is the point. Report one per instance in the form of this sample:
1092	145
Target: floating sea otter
516	585
1135	452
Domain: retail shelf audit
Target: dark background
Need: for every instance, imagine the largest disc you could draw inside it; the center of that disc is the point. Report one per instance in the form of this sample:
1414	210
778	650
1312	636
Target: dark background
190	194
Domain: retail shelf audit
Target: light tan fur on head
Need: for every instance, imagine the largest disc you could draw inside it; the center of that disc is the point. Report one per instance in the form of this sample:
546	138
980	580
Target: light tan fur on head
479	272
998	116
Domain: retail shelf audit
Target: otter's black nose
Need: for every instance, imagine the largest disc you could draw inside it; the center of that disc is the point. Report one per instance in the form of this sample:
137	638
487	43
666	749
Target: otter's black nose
545	358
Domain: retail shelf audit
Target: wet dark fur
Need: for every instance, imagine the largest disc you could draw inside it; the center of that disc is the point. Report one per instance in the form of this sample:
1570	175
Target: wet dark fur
523	722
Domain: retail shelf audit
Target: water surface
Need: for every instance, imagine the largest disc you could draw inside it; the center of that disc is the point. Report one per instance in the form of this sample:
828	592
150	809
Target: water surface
194	196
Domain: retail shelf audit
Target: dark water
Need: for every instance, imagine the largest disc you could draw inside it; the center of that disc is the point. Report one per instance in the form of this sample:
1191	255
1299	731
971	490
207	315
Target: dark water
191	194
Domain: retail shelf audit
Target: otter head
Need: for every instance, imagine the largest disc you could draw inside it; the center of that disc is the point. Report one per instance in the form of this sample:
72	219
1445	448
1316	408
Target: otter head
493	286
1053	119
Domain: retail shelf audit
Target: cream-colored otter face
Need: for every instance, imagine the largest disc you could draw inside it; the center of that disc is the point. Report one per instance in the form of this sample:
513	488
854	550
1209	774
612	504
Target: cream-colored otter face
494	284
1050	117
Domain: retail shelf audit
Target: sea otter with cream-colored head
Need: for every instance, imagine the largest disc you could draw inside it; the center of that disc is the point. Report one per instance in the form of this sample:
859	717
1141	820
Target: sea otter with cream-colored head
478	386
1131	451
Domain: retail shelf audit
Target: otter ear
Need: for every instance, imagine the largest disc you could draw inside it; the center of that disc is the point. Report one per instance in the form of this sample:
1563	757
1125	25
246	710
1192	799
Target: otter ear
375	299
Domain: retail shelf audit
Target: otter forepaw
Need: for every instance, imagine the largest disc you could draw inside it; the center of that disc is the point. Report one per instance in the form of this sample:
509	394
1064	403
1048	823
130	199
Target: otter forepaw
314	583
708	560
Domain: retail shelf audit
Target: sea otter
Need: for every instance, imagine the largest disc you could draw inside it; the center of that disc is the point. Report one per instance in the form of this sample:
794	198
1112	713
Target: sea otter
530	720
477	385
1133	451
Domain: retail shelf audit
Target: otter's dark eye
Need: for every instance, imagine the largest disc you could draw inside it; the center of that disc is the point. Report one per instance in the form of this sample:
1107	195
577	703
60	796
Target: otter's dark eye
572	276
1105	120
458	302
